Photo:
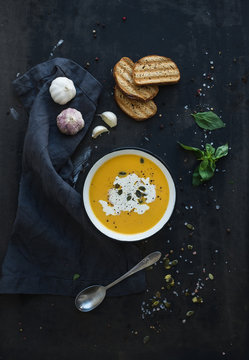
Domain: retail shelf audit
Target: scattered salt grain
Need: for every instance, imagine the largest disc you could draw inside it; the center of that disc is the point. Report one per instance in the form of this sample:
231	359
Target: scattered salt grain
14	113
59	43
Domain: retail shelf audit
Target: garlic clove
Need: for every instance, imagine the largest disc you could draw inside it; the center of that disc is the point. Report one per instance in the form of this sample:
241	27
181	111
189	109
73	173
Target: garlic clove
109	118
98	130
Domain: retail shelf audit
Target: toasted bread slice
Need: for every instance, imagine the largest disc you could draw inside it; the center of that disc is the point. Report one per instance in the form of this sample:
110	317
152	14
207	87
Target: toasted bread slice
154	69
138	110
123	75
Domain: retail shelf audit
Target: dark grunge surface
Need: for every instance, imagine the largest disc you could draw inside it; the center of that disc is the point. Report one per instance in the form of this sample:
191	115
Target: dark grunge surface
209	42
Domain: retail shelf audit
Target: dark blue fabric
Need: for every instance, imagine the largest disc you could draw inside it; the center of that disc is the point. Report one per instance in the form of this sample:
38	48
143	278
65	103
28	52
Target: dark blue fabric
52	237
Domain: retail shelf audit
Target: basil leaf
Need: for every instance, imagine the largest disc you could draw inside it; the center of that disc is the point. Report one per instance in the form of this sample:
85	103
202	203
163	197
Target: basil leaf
208	120
199	153
221	151
205	170
212	163
210	150
196	179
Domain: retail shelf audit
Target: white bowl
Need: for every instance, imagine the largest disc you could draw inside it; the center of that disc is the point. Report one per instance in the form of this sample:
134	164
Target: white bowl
137	236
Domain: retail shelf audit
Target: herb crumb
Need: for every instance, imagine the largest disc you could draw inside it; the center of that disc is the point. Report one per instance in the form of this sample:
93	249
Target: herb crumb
76	276
146	339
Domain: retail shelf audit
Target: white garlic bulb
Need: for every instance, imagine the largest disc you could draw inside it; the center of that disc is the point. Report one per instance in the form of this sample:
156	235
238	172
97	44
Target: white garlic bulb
62	90
98	130
109	118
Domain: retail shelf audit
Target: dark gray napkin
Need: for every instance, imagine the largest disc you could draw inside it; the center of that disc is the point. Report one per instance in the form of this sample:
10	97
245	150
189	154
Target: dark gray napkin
52	237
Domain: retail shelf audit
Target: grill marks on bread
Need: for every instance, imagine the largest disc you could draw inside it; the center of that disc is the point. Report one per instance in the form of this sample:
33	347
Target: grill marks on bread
123	74
138	110
154	69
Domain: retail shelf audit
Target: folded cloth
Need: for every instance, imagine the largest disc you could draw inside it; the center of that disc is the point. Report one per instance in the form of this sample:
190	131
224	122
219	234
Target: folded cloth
54	249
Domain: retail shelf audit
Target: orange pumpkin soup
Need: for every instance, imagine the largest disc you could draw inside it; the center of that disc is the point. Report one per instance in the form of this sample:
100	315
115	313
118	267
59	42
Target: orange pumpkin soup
129	194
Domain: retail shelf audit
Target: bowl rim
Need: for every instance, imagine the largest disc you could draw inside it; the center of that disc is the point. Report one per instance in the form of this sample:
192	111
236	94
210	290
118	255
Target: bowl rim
165	217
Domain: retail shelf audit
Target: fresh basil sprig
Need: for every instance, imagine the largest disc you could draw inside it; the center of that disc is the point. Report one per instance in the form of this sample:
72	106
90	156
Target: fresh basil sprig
208	157
208	120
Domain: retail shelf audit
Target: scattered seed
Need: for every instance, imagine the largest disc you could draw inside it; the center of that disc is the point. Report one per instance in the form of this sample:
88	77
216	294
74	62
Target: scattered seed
211	276
190	313
174	262
168	277
146	339
189	226
167	264
155	303
197	299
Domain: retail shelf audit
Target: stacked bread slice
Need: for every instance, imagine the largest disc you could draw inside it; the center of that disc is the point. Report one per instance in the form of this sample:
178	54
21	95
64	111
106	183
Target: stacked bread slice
137	84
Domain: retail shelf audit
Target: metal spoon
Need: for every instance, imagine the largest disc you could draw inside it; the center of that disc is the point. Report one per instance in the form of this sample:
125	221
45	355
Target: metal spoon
89	298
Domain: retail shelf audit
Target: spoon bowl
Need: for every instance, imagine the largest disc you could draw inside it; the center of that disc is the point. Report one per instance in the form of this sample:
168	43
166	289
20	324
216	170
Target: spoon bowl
89	298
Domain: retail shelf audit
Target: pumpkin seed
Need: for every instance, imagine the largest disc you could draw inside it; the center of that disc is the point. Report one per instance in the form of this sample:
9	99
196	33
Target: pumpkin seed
190	313
155	303
197	300
190	226
174	262
138	193
142	188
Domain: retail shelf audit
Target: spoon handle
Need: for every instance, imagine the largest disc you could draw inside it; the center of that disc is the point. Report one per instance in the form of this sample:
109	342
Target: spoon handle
147	261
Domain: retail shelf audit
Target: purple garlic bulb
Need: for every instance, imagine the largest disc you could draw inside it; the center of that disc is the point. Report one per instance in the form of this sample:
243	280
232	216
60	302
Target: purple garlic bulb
70	121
